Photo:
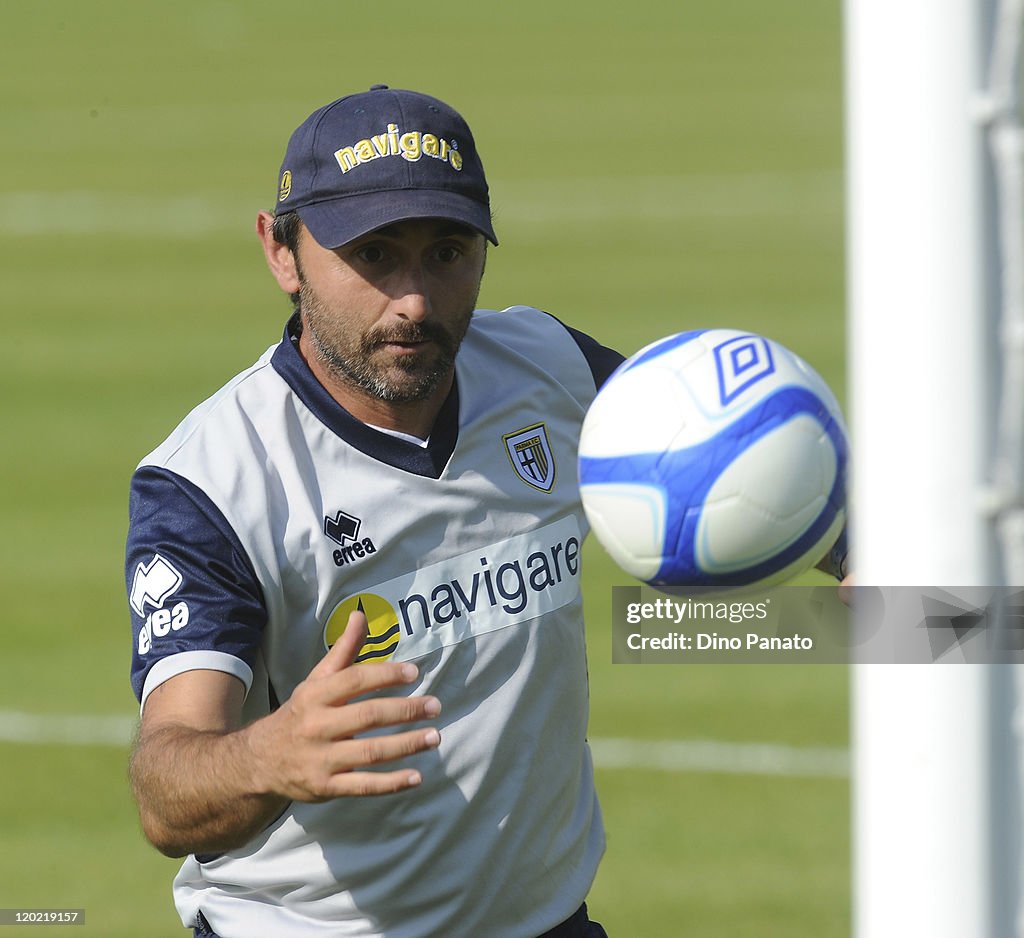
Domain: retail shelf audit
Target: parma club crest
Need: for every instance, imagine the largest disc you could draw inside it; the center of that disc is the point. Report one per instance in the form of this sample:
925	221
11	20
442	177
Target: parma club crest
531	456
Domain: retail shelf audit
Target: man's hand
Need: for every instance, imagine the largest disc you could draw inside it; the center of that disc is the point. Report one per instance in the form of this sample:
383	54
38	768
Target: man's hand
836	561
308	746
206	784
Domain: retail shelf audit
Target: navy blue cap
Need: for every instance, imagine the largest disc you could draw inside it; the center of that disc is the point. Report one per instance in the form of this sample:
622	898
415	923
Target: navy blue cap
379	157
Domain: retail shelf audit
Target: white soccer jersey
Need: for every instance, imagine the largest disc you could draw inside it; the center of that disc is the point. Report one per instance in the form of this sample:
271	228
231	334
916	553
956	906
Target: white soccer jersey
270	513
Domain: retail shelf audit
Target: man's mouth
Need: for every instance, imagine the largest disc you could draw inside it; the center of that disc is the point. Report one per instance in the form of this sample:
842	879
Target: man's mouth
405	345
408	343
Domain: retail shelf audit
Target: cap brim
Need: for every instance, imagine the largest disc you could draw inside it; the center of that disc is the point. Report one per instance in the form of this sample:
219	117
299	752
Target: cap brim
339	221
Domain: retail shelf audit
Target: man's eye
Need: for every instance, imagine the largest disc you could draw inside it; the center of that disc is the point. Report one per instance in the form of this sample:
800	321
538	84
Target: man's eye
371	254
448	253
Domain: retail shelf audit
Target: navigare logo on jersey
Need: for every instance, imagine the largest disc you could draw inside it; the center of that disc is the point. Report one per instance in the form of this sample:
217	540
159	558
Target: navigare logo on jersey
382	620
480	591
531	456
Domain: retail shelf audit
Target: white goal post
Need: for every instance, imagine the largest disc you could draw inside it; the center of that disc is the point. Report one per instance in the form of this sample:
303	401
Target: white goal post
935	346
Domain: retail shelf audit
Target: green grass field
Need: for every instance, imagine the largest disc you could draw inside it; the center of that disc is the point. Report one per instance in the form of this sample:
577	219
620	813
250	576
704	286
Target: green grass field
654	167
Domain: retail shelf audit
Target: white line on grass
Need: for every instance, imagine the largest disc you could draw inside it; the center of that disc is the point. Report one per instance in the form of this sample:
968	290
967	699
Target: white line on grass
525	203
697	755
65	729
667	755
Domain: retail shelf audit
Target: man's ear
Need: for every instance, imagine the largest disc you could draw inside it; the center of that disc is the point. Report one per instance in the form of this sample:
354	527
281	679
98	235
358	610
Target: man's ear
279	256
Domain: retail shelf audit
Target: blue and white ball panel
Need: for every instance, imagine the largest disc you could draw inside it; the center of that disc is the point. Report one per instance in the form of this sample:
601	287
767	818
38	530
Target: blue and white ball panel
705	379
714	458
659	348
628	518
633	502
648	394
784	481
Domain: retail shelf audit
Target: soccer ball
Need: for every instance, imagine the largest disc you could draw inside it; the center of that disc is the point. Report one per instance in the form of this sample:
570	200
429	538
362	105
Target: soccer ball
714	458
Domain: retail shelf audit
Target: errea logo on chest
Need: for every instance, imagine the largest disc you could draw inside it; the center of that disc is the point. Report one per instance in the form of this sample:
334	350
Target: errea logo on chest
343	529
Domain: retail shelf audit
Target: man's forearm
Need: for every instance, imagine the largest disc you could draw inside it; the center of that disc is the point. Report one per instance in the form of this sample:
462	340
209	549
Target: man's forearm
206	784
197	790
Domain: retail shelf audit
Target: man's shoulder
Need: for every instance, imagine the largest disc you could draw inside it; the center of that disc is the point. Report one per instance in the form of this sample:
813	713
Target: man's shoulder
240	400
520	327
545	340
512	316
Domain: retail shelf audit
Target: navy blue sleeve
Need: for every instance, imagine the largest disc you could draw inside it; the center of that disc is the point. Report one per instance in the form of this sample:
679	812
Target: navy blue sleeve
602	360
194	596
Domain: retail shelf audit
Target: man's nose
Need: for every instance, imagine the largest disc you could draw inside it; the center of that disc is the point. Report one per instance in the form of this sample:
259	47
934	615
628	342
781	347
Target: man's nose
411	299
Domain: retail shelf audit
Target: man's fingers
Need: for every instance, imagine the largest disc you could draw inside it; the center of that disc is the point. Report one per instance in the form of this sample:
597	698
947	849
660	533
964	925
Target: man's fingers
373	783
367	677
368	751
379	713
355	756
329	714
329	708
343	652
339	688
351	640
847	590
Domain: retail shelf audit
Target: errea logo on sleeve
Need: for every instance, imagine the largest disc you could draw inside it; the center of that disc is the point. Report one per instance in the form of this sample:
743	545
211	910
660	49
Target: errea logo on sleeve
153	584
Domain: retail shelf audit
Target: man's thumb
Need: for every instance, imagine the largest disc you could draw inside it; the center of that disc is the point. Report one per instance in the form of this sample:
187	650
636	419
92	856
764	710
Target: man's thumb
343	652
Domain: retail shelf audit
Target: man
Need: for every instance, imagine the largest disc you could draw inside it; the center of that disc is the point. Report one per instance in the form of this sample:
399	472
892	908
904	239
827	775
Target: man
354	572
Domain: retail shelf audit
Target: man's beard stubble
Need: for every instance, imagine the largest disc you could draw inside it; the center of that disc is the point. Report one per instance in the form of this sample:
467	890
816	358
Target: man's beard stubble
348	357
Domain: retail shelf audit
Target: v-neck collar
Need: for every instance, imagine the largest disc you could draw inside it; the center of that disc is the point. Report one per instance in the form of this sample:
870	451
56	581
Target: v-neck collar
424	461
